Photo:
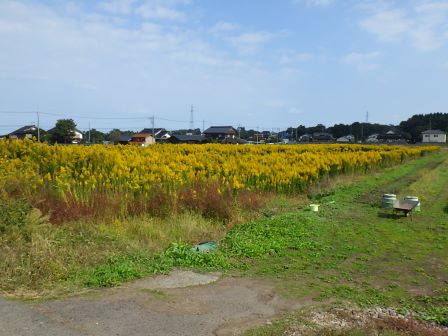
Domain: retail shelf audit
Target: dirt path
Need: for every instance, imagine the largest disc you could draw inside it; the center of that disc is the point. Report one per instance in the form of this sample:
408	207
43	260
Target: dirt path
151	307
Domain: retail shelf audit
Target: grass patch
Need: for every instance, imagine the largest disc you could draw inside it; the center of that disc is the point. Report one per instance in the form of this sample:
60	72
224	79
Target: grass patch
359	256
42	259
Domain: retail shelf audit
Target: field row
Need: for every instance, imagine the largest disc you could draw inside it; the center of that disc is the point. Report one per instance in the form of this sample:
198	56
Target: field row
80	174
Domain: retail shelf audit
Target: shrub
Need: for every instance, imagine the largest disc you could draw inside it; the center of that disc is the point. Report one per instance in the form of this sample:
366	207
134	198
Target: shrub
13	213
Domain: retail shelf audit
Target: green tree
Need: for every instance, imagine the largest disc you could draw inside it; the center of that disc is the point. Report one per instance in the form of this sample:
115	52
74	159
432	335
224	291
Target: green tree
114	135
95	136
64	131
418	123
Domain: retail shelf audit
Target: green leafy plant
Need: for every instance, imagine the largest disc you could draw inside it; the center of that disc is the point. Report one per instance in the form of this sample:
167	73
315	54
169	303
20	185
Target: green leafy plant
14	213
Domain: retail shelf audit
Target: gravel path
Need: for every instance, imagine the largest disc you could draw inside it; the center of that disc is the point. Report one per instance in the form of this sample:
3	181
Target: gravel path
184	303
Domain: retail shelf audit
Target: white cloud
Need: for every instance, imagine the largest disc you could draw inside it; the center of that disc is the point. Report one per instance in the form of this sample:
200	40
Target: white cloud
150	11
432	6
294	57
424	26
295	111
122	7
363	61
314	3
387	25
223	27
276	103
85	60
250	42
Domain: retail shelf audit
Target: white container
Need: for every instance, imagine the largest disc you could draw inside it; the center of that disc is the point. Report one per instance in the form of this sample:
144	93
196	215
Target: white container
414	198
388	201
314	207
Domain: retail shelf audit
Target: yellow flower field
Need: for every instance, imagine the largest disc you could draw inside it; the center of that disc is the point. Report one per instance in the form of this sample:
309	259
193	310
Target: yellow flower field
80	172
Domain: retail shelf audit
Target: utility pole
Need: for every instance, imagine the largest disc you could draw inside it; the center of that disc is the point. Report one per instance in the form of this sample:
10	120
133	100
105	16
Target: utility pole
152	125
38	125
203	126
192	118
89	132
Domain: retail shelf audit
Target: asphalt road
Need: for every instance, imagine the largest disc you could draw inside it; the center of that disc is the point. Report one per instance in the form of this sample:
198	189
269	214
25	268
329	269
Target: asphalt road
149	307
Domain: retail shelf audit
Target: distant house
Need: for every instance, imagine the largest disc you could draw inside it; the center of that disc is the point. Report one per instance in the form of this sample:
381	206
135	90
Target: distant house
391	136
25	132
142	139
220	133
306	138
76	138
160	134
266	134
235	141
346	139
322	137
373	138
434	136
124	139
258	137
188	139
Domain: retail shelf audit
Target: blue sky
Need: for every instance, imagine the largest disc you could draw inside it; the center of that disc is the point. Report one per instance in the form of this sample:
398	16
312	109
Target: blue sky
266	64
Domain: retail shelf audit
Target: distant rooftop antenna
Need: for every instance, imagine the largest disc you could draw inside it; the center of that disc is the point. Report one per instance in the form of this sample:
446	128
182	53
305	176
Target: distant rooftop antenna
192	117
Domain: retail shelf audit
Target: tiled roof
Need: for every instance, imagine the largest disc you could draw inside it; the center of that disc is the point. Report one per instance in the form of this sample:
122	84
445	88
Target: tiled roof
24	130
188	137
433	132
124	137
220	130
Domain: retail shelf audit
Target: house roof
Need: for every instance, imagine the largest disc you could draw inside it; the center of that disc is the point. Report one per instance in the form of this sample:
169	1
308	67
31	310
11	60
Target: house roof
51	130
124	138
179	137
24	130
433	132
157	131
220	130
344	139
235	141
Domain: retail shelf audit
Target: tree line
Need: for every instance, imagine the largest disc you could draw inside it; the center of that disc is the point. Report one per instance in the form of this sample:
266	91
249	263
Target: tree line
410	129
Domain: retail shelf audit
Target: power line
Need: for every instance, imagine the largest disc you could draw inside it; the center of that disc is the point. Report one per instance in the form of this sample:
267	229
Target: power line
17	112
153	118
74	116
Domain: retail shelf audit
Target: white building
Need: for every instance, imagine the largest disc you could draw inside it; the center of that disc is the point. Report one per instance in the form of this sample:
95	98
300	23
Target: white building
433	136
77	137
373	138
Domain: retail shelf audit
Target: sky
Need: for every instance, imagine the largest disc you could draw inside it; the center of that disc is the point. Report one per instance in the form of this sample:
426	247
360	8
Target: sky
262	64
